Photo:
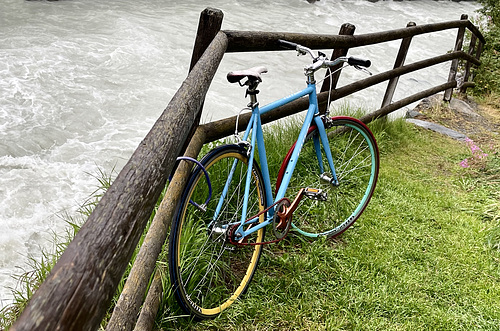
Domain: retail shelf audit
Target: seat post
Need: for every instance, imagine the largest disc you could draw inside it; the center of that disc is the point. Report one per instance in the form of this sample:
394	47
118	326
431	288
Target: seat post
252	92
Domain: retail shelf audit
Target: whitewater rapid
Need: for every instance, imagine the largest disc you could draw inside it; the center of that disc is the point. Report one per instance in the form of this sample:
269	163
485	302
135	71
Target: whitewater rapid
82	82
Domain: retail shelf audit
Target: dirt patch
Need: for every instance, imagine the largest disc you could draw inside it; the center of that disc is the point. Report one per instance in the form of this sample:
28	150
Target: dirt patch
479	122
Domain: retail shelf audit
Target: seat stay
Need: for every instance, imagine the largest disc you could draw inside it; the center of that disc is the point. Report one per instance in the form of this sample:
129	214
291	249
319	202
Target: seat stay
230	176
249	173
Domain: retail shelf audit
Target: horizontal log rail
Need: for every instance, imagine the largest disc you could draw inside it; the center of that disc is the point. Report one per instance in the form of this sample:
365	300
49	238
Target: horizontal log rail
253	41
79	289
225	127
384	111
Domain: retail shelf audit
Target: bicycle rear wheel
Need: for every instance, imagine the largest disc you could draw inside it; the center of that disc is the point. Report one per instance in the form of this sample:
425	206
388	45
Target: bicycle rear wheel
356	161
207	272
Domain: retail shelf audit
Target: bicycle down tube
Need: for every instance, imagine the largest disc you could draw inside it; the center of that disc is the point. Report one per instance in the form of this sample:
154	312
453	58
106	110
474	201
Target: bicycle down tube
255	127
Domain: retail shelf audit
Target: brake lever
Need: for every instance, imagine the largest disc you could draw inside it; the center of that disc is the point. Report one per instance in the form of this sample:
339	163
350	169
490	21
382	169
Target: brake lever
363	69
321	56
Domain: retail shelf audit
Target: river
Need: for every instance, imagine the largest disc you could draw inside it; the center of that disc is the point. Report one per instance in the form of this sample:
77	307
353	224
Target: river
82	82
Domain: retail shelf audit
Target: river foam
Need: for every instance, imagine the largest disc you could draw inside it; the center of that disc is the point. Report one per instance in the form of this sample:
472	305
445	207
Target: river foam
82	82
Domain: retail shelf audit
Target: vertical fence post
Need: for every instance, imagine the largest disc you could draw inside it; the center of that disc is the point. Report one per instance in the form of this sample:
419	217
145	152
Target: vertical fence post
400	60
345	29
472	45
130	300
479	50
454	64
208	26
159	227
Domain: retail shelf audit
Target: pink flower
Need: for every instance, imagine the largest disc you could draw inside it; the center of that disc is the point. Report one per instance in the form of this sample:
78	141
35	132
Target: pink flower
476	153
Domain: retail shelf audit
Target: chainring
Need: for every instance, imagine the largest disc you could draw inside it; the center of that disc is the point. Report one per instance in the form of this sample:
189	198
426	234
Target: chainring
281	222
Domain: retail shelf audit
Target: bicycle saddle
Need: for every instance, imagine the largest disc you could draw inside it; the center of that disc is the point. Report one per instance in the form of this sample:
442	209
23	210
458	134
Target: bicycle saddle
252	73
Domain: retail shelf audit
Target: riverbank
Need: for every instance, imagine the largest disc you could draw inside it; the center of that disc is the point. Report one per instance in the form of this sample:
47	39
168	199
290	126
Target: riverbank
424	255
82	82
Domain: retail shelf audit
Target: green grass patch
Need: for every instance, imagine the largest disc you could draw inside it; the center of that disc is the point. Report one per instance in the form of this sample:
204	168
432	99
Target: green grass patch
424	255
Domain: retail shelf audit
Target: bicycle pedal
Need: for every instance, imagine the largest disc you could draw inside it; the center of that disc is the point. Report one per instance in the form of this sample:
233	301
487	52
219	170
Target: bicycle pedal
315	194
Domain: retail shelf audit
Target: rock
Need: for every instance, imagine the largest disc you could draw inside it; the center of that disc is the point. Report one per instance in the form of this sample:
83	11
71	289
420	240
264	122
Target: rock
455	104
439	128
462	107
413	113
430	102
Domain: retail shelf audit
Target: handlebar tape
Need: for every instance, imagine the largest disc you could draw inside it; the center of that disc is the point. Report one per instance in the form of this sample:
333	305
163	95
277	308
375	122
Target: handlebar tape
353	61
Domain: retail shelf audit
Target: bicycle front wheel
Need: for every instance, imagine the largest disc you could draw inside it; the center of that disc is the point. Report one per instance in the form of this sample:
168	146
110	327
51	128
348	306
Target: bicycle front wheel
356	161
207	272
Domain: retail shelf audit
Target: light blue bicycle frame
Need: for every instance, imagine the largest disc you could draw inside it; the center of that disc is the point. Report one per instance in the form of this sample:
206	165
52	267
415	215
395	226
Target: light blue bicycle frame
255	127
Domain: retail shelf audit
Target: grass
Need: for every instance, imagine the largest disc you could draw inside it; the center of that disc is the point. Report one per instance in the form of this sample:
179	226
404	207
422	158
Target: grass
424	255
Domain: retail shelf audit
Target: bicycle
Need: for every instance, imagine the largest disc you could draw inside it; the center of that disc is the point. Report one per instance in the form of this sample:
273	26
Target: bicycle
218	232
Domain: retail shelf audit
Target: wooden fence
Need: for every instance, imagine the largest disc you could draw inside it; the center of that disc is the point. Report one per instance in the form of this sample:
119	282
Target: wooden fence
79	290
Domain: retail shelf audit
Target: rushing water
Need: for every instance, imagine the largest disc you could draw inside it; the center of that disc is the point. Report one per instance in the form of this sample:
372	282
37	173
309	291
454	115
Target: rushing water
82	82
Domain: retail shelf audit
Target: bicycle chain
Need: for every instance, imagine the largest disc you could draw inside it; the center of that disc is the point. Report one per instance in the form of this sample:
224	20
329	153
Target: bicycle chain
241	242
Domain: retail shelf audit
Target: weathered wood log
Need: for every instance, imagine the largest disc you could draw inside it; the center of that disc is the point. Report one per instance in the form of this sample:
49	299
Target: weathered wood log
225	127
454	64
250	41
79	289
130	300
400	60
330	82
208	26
146	319
384	111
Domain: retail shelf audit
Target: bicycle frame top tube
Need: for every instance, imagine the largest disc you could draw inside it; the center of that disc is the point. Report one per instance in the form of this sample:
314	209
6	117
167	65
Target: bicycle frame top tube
278	103
255	128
